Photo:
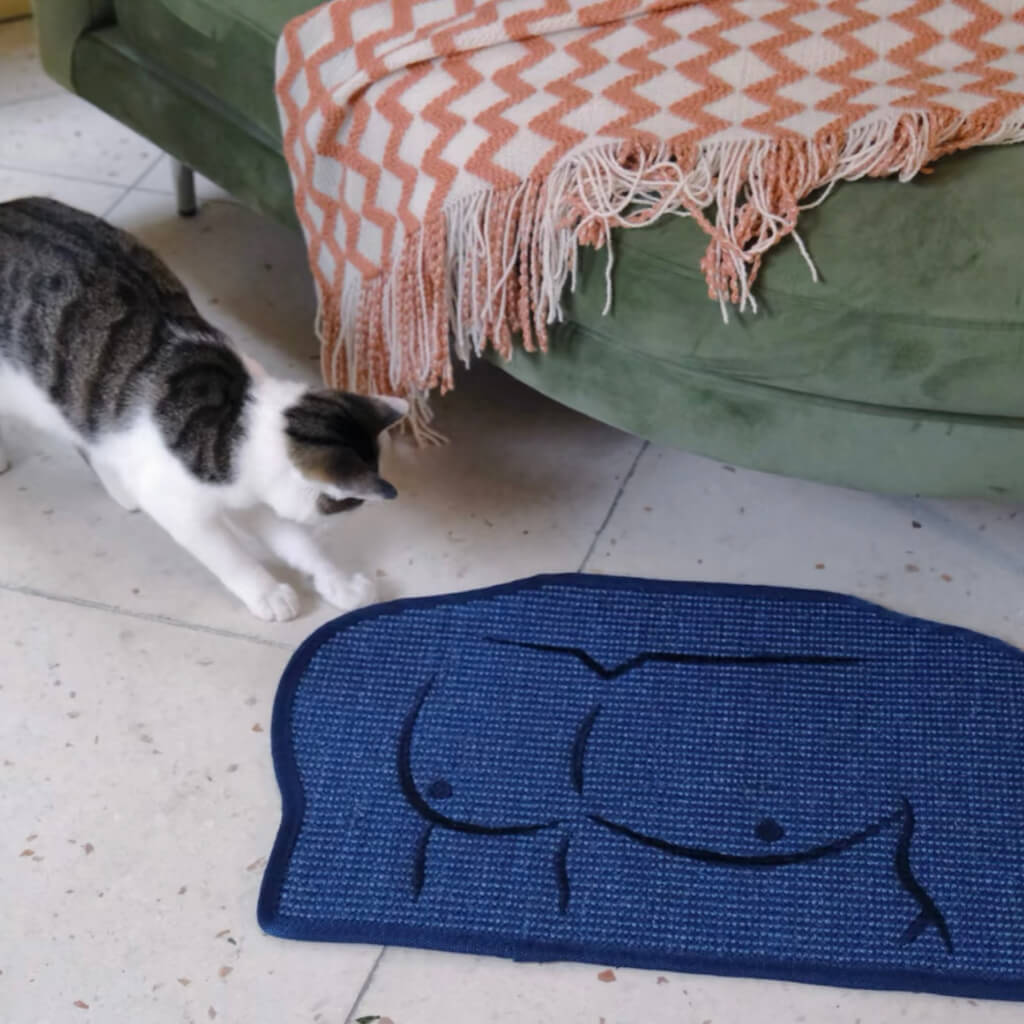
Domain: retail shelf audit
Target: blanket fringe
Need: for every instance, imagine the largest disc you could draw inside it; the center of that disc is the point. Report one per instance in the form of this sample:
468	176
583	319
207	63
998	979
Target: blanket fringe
493	266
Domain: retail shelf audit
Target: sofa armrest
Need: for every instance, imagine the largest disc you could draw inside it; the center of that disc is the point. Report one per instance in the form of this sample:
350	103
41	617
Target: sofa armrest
59	23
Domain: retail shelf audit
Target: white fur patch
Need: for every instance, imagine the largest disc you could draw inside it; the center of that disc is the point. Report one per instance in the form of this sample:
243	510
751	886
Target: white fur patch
265	501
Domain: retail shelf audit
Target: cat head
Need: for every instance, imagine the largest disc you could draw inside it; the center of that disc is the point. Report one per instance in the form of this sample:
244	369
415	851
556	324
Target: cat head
332	442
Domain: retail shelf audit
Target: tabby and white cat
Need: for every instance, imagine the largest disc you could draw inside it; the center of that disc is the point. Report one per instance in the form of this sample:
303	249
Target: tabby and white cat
100	344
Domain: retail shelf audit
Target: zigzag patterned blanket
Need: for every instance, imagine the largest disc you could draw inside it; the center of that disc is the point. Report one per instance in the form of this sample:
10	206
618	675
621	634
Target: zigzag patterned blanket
448	156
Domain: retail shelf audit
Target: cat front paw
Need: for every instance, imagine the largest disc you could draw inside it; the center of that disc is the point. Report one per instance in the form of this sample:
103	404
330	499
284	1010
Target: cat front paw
277	604
344	592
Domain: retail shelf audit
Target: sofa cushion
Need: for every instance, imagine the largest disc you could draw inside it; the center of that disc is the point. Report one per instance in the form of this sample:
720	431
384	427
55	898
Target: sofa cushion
902	370
225	46
919	307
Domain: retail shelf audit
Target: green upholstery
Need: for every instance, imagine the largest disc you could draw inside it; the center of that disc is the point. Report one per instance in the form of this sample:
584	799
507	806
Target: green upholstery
224	46
59	24
920	305
196	77
900	371
194	127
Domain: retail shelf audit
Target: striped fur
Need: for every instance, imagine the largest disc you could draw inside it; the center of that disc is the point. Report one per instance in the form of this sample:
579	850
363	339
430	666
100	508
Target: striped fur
101	345
101	325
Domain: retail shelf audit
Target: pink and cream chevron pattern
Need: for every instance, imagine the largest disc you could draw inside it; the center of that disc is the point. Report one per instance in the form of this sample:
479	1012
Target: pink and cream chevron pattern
448	156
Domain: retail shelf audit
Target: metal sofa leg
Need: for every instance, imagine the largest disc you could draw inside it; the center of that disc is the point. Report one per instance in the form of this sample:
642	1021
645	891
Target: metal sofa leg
184	188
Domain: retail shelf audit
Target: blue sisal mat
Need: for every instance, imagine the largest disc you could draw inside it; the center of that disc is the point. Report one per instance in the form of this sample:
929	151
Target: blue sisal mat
737	780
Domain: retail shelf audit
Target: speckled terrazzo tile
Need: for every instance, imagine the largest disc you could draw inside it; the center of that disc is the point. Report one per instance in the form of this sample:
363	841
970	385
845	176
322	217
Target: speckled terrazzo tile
139	804
684	517
63	134
21	75
417	987
158	179
85	195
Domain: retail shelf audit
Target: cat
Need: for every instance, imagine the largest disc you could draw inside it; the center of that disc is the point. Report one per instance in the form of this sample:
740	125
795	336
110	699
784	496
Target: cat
100	344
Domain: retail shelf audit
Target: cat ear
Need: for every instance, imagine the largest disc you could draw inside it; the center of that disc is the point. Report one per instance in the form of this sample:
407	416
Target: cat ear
376	413
389	409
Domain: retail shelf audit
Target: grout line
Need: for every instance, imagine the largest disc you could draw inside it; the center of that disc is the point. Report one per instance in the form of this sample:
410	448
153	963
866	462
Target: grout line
614	505
128	189
63	177
168	188
365	986
125	190
162	620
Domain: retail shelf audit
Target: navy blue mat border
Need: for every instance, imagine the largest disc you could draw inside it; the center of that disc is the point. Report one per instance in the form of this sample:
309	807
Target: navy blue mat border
447	940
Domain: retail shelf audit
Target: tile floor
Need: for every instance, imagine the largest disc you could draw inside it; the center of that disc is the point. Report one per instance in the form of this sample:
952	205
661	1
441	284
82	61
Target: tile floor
137	794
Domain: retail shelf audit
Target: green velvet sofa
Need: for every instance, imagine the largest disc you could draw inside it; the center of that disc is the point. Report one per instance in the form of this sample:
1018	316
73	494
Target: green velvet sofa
902	371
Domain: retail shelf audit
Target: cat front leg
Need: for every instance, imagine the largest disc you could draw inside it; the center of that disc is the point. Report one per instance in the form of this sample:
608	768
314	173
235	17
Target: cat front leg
114	485
211	542
5	463
296	547
111	480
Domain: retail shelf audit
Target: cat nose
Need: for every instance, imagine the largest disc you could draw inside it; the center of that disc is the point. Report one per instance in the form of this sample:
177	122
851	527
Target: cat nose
768	830
439	789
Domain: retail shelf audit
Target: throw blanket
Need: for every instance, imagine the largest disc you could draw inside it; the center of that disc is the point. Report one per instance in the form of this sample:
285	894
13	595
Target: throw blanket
449	156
